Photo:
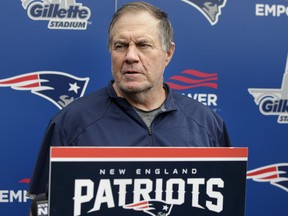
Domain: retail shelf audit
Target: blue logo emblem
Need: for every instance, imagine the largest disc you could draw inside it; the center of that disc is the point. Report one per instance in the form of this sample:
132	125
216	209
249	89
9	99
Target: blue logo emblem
57	87
211	9
276	174
152	207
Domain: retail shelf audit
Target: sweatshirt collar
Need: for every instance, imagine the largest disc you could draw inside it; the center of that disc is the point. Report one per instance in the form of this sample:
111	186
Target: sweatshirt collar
169	102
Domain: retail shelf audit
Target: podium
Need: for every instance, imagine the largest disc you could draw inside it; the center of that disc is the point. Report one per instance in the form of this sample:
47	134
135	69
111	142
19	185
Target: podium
143	181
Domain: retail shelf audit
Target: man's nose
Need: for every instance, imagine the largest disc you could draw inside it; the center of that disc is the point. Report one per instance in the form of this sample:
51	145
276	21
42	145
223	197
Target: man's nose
132	54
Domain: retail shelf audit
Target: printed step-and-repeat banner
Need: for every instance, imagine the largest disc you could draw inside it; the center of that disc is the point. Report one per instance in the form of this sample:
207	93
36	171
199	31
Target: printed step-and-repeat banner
230	55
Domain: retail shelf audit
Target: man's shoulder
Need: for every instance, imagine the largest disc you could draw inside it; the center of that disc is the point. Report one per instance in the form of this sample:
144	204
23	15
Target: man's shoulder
195	110
188	104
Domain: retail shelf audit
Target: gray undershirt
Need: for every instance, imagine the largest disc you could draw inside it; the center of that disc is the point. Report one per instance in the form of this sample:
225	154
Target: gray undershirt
149	116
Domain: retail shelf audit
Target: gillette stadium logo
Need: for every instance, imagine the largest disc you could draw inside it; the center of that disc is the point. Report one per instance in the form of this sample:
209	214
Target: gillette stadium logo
57	87
211	9
273	101
61	14
191	79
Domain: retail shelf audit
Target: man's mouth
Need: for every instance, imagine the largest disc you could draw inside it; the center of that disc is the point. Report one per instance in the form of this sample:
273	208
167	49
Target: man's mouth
131	72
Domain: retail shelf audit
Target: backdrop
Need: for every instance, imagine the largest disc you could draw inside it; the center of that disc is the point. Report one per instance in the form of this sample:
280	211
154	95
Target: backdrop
230	55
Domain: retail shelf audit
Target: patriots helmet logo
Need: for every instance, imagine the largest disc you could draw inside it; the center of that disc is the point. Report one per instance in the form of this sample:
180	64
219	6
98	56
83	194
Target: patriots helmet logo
211	9
57	87
276	174
151	207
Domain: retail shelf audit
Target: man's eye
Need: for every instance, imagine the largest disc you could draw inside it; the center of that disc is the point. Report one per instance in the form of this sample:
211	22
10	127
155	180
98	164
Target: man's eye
119	46
144	45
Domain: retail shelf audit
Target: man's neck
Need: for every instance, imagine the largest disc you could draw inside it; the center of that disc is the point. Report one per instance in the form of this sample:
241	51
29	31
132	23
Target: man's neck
146	101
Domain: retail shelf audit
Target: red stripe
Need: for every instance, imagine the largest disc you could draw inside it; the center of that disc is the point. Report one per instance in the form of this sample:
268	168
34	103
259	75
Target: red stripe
270	177
26	180
181	87
261	171
146	152
34	85
138	204
20	79
191	81
198	73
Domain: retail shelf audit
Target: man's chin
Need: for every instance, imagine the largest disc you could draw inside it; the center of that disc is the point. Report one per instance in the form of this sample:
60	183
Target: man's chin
133	89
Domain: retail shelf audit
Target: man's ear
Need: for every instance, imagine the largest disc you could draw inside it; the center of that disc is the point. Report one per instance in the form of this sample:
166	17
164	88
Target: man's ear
170	53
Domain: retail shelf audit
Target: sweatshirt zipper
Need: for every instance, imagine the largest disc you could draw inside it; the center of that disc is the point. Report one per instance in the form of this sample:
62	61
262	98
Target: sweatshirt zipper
149	131
150	128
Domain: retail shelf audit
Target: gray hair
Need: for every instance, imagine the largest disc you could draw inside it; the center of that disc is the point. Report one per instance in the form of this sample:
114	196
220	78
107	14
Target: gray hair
165	27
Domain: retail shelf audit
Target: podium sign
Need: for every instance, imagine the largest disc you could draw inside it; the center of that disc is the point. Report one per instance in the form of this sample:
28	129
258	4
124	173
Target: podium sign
158	181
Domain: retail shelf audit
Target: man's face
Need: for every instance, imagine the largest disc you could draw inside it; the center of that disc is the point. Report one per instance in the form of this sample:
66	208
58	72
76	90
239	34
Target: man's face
138	58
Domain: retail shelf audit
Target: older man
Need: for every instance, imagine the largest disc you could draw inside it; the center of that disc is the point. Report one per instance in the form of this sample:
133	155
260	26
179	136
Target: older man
136	108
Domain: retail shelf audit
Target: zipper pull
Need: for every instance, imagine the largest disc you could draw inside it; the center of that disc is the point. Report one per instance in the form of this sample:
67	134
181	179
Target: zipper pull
149	131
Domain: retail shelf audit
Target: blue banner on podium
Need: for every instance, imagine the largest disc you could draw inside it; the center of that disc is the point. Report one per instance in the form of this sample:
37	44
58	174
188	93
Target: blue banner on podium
147	181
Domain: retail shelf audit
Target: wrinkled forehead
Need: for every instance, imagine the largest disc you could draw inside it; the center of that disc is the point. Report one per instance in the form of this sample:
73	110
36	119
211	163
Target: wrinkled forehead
133	22
131	17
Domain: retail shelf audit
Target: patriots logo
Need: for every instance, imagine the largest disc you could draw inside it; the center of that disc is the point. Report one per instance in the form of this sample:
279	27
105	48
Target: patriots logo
57	87
211	9
192	79
276	174
152	207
